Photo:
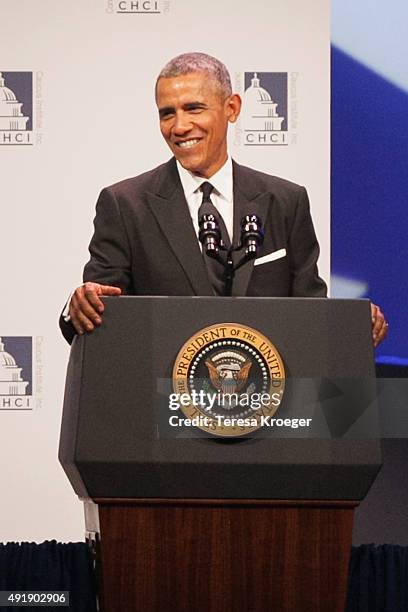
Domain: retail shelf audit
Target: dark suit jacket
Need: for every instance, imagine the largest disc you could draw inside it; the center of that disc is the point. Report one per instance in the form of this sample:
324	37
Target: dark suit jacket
144	241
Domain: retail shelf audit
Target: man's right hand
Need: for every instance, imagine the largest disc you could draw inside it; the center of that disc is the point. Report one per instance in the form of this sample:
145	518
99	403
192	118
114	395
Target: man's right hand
86	307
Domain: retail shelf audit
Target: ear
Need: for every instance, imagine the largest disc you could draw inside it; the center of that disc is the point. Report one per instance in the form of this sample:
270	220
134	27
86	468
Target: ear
233	107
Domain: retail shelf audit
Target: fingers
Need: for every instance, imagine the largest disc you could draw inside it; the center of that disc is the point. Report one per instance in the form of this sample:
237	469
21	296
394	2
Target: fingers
108	289
379	325
84	315
86	307
103	290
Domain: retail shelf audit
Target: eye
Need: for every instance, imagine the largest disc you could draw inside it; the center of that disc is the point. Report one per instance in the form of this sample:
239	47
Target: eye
195	108
166	114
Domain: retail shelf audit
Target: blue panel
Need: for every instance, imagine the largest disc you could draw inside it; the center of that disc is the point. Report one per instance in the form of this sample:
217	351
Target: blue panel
370	190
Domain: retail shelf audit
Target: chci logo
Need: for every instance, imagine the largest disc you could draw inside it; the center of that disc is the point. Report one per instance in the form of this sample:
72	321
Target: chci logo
265	110
16	373
141	7
16	108
234	377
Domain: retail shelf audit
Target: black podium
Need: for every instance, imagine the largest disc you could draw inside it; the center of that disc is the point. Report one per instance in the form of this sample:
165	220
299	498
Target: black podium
193	521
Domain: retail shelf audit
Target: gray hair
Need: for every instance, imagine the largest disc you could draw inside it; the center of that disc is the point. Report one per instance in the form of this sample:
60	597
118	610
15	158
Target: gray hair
198	62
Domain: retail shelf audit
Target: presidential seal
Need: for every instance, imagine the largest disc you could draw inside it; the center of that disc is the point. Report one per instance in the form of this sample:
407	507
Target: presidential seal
233	378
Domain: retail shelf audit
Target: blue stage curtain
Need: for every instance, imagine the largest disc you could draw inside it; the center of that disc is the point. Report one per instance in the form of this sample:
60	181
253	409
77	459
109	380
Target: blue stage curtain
49	566
378	579
391	370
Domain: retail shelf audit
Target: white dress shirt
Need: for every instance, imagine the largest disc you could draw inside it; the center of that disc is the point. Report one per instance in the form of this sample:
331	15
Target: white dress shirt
221	197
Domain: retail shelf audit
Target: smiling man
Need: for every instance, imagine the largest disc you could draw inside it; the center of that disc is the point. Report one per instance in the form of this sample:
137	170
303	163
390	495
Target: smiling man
194	115
146	228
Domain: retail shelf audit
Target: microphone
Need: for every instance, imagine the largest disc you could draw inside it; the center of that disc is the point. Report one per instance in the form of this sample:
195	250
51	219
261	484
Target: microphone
252	235
209	235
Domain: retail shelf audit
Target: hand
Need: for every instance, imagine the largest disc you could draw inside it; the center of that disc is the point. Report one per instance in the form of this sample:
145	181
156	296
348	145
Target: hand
86	307
379	325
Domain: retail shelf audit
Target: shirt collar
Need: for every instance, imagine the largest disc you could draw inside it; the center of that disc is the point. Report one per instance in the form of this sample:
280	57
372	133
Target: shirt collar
221	180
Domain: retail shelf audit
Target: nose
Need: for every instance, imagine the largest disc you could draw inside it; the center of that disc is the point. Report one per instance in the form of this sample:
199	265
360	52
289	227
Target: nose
182	124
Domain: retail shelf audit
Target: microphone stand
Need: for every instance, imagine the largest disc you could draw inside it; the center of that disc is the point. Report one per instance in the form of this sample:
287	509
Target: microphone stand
252	236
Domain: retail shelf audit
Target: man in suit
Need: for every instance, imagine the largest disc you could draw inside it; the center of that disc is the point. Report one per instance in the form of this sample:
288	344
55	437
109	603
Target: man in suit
145	240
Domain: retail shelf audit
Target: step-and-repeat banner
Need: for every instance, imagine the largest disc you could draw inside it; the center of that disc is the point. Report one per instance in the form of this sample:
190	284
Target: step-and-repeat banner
77	113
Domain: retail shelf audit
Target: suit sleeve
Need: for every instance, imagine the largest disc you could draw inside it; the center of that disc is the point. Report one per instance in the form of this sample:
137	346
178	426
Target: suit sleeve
110	252
304	252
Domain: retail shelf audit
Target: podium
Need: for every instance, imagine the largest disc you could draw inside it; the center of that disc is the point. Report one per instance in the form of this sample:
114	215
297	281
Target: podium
190	521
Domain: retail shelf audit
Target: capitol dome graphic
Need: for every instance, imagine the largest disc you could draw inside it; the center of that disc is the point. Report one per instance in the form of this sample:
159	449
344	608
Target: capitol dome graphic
11	382
11	116
260	110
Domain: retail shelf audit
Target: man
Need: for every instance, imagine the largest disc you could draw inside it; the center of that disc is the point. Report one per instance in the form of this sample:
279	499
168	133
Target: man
145	240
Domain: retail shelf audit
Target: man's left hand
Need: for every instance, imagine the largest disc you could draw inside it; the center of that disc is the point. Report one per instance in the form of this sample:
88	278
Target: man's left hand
379	325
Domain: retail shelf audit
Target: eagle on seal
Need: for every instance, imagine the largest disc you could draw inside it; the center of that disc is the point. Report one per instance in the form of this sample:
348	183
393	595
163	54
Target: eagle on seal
230	378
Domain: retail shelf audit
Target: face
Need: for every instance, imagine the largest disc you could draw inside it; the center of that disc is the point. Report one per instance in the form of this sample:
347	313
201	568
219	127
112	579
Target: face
194	117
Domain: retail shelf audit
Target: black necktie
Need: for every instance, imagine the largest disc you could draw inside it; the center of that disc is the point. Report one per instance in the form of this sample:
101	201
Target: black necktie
208	208
215	269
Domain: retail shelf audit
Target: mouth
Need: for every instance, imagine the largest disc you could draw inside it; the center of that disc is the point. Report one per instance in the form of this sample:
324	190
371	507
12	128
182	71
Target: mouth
188	144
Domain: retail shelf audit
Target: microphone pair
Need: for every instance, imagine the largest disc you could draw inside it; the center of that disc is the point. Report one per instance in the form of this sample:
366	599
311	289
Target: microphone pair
252	236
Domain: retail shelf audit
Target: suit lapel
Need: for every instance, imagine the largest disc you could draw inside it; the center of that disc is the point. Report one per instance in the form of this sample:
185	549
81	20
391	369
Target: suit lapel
170	209
247	200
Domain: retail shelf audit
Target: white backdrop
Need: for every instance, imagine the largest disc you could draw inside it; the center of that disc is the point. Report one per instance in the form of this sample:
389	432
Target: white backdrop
94	123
